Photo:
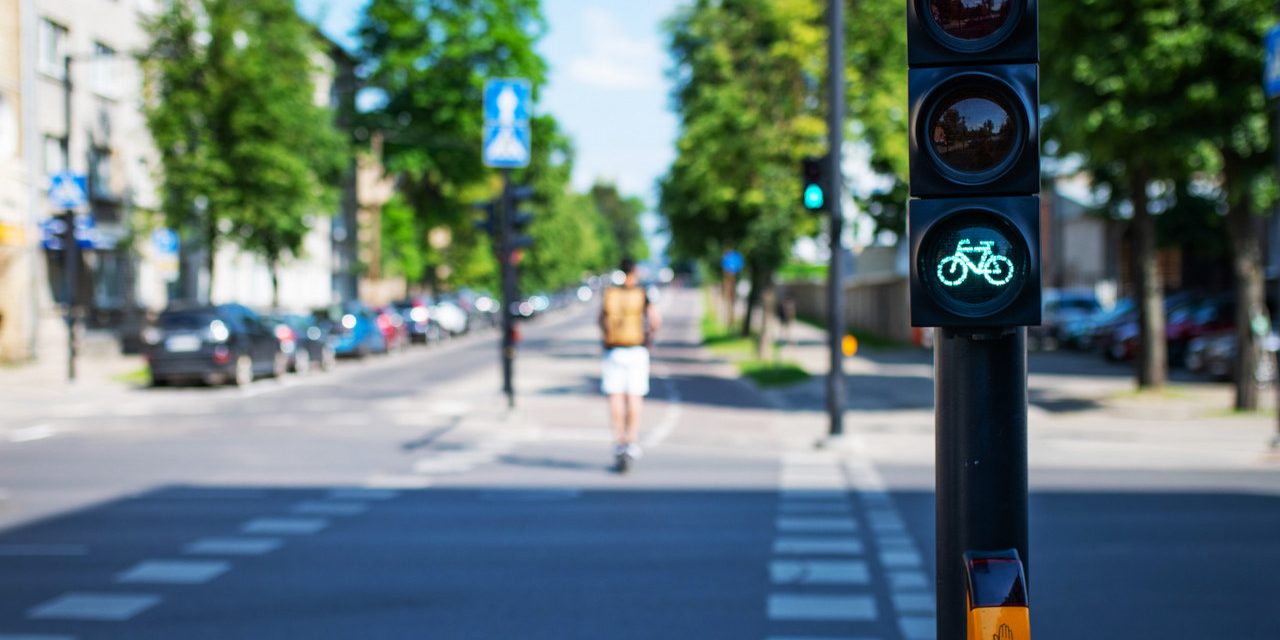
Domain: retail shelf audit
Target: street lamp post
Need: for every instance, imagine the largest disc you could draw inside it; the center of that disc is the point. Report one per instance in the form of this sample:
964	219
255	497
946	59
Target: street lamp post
835	282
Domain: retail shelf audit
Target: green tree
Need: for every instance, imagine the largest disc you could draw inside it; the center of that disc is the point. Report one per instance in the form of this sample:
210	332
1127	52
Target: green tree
1150	91
430	59
1118	86
622	219
234	116
745	92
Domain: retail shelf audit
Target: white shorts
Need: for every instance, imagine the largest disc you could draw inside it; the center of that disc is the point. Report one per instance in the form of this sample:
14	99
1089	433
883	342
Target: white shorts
626	371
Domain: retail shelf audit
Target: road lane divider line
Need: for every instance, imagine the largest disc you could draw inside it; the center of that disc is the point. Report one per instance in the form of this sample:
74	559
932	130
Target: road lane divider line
93	606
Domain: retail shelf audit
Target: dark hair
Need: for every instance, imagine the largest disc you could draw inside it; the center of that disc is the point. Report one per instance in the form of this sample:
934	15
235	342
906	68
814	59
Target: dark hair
627	265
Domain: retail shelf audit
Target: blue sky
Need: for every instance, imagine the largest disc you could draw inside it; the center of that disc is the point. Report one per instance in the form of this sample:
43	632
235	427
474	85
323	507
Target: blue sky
607	85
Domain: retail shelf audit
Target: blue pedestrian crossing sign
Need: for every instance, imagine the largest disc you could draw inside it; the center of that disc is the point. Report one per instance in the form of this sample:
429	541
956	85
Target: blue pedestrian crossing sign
732	262
68	192
507	134
1271	70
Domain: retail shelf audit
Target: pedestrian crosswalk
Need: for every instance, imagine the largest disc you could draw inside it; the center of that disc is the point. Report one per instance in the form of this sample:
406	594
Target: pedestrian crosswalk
843	561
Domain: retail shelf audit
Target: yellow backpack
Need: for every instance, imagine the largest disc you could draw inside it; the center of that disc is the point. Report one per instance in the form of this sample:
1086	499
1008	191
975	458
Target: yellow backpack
624	316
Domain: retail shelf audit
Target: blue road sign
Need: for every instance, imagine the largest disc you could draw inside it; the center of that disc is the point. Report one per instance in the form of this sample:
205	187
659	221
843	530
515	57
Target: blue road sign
52	230
68	191
732	262
1271	71
508	137
165	241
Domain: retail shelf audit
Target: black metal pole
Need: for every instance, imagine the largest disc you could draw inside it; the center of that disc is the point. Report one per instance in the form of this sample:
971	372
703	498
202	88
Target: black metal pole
71	247
835	281
508	284
981	456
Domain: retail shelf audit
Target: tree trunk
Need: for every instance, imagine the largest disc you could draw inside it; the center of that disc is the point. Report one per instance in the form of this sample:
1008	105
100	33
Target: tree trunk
767	306
210	255
274	267
1152	349
1246	259
753	302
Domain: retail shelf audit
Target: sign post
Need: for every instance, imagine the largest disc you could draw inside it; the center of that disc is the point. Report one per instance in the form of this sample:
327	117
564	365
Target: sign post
731	264
1271	86
507	145
68	193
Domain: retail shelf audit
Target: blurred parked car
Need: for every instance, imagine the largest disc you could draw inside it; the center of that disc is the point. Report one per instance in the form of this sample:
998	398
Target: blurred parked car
1059	309
416	312
451	317
212	344
305	342
354	328
1216	355
393	327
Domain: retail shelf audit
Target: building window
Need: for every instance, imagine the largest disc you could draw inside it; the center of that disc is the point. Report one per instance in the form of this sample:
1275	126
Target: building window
100	172
53	48
104	66
55	156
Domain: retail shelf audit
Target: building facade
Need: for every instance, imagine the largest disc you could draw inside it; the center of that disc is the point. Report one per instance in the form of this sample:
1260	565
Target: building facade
16	251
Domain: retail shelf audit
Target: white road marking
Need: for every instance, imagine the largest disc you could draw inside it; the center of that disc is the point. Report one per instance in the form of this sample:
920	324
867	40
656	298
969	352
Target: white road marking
814	507
173	572
918	628
900	559
844	572
363	494
817	525
233	546
284	526
670	420
818	546
382	481
329	508
115	607
913	602
795	606
43	550
899	580
31	434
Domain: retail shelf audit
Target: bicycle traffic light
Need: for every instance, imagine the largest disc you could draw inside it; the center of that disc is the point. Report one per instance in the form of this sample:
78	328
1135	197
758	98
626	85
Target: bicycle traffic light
974	216
813	179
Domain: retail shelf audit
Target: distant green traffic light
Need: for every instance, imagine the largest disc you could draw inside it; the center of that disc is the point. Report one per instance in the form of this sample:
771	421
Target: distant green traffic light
814	198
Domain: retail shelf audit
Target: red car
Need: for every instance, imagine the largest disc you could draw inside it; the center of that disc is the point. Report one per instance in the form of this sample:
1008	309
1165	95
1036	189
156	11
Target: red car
393	327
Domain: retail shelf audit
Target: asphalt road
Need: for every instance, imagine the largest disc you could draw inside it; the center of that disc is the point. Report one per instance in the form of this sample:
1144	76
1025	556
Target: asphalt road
394	500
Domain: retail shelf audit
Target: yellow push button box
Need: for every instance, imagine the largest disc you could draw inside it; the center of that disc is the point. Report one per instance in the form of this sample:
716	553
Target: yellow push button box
997	596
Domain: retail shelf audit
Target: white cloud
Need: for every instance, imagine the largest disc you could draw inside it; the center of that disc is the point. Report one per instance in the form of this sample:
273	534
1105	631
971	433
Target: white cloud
615	59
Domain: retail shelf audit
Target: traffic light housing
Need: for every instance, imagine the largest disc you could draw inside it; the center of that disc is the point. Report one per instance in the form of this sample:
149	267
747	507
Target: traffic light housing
518	221
974	213
813	180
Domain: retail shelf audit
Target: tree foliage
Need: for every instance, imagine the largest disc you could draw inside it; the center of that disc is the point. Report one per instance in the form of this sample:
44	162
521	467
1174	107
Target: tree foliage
747	93
621	218
233	113
1167	90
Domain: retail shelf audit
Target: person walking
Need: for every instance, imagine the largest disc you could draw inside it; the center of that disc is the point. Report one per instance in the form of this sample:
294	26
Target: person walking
629	323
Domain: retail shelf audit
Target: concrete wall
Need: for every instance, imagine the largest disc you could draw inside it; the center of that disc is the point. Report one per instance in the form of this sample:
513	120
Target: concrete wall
876	305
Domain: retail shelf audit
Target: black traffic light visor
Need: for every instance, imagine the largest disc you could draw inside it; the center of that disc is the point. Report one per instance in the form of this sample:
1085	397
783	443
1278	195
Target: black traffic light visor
974	130
948	32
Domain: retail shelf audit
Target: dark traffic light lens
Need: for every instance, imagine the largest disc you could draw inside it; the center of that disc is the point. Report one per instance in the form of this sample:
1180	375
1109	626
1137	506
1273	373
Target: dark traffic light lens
974	262
973	131
970	19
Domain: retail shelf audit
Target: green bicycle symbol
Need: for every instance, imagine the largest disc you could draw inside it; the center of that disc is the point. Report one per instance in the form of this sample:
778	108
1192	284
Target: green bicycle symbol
997	269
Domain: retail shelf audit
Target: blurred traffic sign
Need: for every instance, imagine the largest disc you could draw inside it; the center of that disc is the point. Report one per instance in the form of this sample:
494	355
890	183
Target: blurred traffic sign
165	241
53	230
1271	72
508	137
68	191
732	262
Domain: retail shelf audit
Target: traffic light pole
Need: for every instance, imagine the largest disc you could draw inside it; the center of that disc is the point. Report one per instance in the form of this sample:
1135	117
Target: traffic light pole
71	245
980	395
835	282
507	268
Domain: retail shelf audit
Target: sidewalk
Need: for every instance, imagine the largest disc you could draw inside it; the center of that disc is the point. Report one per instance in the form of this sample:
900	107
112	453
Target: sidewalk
1084	412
